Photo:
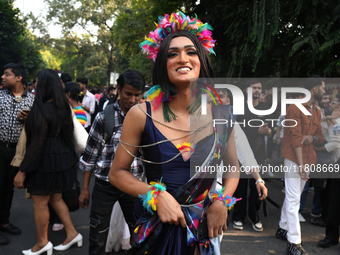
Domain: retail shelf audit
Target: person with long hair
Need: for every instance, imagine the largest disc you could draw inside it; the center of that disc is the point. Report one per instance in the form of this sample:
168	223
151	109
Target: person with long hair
180	211
50	163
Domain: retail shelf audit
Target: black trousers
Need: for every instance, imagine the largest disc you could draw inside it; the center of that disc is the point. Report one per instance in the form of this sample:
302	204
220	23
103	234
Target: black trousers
104	196
7	174
333	219
240	208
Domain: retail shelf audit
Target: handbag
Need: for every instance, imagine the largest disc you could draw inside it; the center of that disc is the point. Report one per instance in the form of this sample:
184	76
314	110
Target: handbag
80	135
71	196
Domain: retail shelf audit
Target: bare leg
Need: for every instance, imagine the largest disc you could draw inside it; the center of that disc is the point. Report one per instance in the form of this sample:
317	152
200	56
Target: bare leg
62	211
41	217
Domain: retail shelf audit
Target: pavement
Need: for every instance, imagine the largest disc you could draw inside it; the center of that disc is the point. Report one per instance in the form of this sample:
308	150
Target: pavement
234	242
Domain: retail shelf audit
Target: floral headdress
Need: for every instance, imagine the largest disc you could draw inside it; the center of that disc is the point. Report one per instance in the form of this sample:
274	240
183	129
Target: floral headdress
177	22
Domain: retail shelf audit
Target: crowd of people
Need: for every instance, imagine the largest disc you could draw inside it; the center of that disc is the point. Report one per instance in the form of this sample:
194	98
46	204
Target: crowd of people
142	153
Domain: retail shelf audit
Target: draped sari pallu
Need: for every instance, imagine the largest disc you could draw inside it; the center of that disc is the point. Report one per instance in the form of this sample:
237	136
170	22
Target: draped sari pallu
194	199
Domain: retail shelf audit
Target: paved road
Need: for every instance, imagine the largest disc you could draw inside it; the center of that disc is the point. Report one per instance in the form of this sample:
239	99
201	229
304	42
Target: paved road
234	242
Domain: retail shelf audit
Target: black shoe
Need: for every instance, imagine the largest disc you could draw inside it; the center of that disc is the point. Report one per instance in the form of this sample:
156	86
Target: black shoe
295	249
3	240
281	234
325	243
317	222
13	230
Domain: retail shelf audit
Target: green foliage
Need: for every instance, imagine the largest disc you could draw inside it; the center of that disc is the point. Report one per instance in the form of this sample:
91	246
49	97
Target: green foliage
17	44
269	38
263	38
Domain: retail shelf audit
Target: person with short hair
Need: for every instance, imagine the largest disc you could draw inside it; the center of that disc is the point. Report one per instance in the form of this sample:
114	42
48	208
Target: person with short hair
299	154
256	137
29	86
110	95
98	158
34	85
64	78
15	103
88	103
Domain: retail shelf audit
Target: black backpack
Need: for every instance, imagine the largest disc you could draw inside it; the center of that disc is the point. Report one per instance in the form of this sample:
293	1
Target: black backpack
109	122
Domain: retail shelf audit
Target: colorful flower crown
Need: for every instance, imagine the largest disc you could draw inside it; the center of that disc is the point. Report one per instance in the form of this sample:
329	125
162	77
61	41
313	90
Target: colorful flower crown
177	22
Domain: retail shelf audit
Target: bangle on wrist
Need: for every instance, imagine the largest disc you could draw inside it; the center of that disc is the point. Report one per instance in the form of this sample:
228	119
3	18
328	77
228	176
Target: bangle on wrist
228	201
260	180
150	198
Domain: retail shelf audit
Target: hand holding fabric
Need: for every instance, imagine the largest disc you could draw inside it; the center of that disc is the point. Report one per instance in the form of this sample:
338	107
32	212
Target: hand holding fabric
169	210
217	215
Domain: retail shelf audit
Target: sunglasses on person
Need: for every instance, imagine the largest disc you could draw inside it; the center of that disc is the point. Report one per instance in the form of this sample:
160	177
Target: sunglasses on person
333	102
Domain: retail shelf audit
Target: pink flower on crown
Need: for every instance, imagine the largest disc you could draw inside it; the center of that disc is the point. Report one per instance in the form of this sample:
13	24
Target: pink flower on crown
173	23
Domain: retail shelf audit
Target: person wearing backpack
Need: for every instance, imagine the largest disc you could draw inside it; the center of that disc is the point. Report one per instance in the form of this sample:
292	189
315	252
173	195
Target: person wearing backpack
98	156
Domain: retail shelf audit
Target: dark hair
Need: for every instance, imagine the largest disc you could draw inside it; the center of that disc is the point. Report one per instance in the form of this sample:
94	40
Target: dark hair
29	84
251	82
160	71
18	70
313	81
82	80
74	90
230	96
338	96
147	87
133	78
65	77
49	87
110	89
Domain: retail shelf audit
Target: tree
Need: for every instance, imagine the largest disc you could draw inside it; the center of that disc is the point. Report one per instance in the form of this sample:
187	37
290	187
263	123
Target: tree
96	18
16	42
269	38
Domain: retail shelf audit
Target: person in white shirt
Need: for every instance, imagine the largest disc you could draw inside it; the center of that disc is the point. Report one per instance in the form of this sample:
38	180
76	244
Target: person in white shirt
88	103
245	155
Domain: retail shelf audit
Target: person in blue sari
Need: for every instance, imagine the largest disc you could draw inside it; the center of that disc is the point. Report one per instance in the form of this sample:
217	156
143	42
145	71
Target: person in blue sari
176	140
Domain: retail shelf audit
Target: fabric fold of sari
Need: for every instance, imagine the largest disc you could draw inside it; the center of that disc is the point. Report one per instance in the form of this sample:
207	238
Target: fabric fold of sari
151	236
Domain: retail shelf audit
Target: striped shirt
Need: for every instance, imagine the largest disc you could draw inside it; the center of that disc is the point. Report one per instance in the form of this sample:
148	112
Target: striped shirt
92	159
80	115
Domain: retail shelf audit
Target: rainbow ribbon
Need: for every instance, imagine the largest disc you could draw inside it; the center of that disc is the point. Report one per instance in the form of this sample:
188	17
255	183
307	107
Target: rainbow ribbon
228	200
150	199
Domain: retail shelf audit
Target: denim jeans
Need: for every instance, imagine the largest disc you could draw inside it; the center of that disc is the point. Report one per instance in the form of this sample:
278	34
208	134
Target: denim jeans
317	205
104	196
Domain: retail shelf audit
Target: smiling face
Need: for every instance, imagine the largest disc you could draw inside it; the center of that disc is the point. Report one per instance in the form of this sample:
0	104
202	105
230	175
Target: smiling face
324	102
183	62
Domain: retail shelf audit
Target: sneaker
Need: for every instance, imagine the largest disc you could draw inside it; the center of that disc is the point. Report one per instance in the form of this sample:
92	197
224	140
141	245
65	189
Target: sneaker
301	218
281	234
57	227
257	226
295	249
316	215
238	225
